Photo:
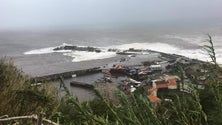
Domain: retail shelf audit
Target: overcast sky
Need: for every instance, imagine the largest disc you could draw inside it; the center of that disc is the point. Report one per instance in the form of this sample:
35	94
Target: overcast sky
83	13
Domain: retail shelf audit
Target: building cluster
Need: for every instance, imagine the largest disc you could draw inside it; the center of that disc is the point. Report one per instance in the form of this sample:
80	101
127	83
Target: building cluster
160	77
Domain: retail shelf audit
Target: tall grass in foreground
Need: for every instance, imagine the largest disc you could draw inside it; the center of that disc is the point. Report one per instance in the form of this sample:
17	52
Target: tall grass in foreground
134	110
211	97
18	96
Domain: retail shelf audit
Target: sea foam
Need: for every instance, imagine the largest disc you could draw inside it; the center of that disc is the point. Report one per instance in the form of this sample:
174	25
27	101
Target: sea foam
40	51
79	56
200	53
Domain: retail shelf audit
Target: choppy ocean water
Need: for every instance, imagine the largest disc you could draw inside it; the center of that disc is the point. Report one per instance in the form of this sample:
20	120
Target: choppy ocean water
189	45
21	44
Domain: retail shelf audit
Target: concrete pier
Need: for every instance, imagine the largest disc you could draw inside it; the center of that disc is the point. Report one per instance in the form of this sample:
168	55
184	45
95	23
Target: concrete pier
67	75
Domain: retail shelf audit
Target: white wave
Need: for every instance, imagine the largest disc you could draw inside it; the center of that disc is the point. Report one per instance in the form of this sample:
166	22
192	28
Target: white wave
47	50
161	47
79	56
40	51
200	40
166	48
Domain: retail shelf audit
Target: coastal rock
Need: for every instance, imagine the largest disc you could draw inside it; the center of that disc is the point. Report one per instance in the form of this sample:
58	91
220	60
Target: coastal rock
78	48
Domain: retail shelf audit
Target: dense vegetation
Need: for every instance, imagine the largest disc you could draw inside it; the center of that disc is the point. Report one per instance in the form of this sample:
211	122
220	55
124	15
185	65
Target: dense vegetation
19	97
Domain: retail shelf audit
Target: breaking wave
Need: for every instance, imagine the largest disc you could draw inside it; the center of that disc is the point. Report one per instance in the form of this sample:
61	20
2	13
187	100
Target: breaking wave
200	40
171	49
79	56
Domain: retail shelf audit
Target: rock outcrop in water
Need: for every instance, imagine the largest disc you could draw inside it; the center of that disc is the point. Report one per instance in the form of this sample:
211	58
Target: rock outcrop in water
129	51
78	48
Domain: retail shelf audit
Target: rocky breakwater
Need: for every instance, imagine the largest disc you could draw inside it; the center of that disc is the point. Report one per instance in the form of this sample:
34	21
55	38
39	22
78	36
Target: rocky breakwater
78	48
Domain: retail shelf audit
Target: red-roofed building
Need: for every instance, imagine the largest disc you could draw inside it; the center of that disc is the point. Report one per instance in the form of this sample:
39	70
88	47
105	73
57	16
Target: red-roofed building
172	84
154	99
161	86
165	82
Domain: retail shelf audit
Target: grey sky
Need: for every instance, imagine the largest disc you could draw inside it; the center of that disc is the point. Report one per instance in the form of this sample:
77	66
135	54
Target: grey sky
77	13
